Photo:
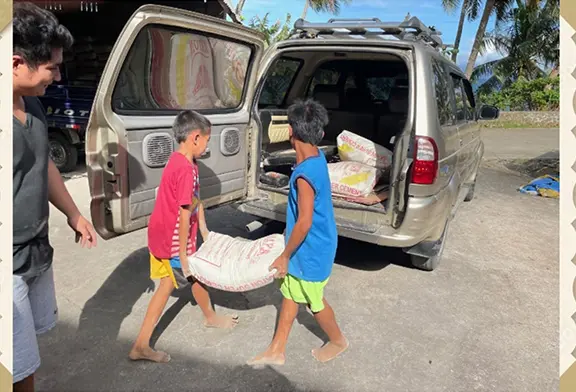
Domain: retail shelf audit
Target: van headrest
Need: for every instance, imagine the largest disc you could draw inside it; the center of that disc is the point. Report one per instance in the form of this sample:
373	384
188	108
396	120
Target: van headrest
398	101
328	95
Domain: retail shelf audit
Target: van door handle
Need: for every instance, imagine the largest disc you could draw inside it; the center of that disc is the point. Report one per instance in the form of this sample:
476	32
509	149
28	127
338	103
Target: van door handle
206	154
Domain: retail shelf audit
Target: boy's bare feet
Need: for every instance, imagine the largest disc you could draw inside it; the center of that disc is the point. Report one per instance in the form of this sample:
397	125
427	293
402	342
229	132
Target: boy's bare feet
330	350
268	357
217	321
147	354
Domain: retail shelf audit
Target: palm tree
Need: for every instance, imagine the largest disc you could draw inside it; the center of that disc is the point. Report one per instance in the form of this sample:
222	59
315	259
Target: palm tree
499	8
527	37
272	33
332	6
470	9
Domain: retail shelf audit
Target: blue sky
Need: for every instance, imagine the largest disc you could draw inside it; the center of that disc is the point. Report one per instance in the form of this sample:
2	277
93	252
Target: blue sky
429	11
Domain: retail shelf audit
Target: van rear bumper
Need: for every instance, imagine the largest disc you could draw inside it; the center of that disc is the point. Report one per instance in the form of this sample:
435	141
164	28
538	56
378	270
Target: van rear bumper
424	221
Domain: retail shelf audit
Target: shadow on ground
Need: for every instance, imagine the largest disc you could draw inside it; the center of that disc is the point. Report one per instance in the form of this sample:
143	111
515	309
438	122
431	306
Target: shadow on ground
104	366
545	164
103	314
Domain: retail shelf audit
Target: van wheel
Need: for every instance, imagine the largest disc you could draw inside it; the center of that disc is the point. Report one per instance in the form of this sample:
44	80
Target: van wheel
62	152
430	263
470	194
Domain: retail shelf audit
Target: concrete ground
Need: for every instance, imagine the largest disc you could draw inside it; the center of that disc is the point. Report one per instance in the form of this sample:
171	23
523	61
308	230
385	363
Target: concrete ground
485	320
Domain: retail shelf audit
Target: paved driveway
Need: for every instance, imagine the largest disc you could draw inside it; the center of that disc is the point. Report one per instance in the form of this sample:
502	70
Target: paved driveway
485	320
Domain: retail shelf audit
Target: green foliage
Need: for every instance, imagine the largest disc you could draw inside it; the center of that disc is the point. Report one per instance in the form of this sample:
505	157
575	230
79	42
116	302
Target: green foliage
272	32
527	36
539	94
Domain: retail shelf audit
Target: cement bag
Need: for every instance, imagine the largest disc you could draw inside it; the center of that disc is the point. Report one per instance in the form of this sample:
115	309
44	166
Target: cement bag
353	179
230	67
236	264
192	72
352	147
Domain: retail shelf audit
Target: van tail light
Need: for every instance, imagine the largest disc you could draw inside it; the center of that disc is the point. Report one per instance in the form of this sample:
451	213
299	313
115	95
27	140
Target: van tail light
425	165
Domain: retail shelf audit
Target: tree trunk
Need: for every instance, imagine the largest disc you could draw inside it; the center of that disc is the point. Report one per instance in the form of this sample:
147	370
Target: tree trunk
459	31
305	10
239	7
488	8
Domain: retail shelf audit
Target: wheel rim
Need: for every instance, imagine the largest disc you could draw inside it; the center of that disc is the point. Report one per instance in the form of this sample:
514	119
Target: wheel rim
57	153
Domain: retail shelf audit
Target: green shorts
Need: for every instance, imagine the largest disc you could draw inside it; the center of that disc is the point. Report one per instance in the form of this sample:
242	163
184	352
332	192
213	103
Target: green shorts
304	292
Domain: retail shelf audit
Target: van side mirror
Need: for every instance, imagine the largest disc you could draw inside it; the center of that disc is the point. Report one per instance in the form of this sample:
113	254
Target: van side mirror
488	112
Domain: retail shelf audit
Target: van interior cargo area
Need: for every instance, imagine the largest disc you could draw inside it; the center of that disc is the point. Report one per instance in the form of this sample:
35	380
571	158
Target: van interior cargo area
367	96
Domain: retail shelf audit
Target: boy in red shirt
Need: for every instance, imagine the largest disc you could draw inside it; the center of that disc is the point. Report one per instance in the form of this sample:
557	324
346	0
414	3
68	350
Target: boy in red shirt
172	230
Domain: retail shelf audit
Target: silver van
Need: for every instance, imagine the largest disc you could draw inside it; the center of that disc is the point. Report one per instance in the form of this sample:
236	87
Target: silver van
388	82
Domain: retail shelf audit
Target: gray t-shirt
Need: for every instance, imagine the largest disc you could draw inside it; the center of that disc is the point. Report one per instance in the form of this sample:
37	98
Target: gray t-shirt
32	253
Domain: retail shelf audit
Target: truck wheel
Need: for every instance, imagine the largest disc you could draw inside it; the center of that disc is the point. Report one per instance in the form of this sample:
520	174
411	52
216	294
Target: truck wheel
430	263
62	152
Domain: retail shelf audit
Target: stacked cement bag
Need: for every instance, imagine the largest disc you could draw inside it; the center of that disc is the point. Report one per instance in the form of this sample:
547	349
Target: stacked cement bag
236	264
230	65
363	163
192	71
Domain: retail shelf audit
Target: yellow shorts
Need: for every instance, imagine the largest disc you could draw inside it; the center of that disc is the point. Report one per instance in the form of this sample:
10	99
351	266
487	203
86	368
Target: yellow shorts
161	268
304	292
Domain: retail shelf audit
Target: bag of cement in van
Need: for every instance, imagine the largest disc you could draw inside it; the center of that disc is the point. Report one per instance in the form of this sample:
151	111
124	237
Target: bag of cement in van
236	264
352	147
191	84
355	179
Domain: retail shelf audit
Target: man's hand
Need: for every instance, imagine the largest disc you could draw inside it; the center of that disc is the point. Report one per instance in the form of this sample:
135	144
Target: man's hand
85	234
281	266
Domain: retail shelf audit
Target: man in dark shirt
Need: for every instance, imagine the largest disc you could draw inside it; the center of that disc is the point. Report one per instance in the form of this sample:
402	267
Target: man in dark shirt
39	41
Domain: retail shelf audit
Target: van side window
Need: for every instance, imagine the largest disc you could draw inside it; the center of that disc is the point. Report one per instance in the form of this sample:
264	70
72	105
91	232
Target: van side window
442	94
167	68
461	112
470	102
323	76
279	81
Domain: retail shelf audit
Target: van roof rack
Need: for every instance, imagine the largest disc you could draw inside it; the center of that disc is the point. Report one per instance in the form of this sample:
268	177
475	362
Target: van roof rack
411	28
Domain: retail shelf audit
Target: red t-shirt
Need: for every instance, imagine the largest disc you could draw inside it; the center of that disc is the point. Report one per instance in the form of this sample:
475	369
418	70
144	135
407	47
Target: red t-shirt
179	186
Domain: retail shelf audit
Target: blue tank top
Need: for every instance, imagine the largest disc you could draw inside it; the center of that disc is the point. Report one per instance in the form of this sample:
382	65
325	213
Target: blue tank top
313	259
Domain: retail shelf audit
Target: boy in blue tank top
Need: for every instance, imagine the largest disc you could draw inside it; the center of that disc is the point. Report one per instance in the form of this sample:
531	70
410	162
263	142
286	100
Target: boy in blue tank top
311	238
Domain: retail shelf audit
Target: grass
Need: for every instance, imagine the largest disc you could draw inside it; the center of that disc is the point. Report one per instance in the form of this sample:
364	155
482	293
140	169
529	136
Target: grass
511	124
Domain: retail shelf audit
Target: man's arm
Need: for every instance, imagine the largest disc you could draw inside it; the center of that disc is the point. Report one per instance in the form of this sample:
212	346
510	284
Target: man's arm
58	193
301	227
59	196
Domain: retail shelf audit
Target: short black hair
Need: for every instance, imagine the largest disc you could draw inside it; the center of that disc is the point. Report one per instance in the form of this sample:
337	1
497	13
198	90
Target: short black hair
36	32
188	121
308	119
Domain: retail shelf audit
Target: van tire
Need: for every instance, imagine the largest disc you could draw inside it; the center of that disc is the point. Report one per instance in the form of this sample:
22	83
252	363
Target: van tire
470	194
62	152
431	263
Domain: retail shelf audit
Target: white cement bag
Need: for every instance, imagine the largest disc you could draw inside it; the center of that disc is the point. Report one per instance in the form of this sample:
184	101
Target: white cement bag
352	147
236	264
354	179
230	67
192	70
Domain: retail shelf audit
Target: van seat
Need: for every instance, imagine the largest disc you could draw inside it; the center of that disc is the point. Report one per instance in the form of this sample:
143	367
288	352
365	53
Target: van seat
360	123
391	123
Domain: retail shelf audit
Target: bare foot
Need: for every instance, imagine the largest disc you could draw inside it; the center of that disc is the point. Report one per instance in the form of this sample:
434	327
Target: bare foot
330	351
228	321
147	354
267	358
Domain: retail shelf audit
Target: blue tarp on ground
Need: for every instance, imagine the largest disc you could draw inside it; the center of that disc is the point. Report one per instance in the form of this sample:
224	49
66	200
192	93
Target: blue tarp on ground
545	186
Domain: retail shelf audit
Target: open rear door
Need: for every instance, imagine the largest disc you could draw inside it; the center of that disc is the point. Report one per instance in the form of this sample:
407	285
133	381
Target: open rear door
166	60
